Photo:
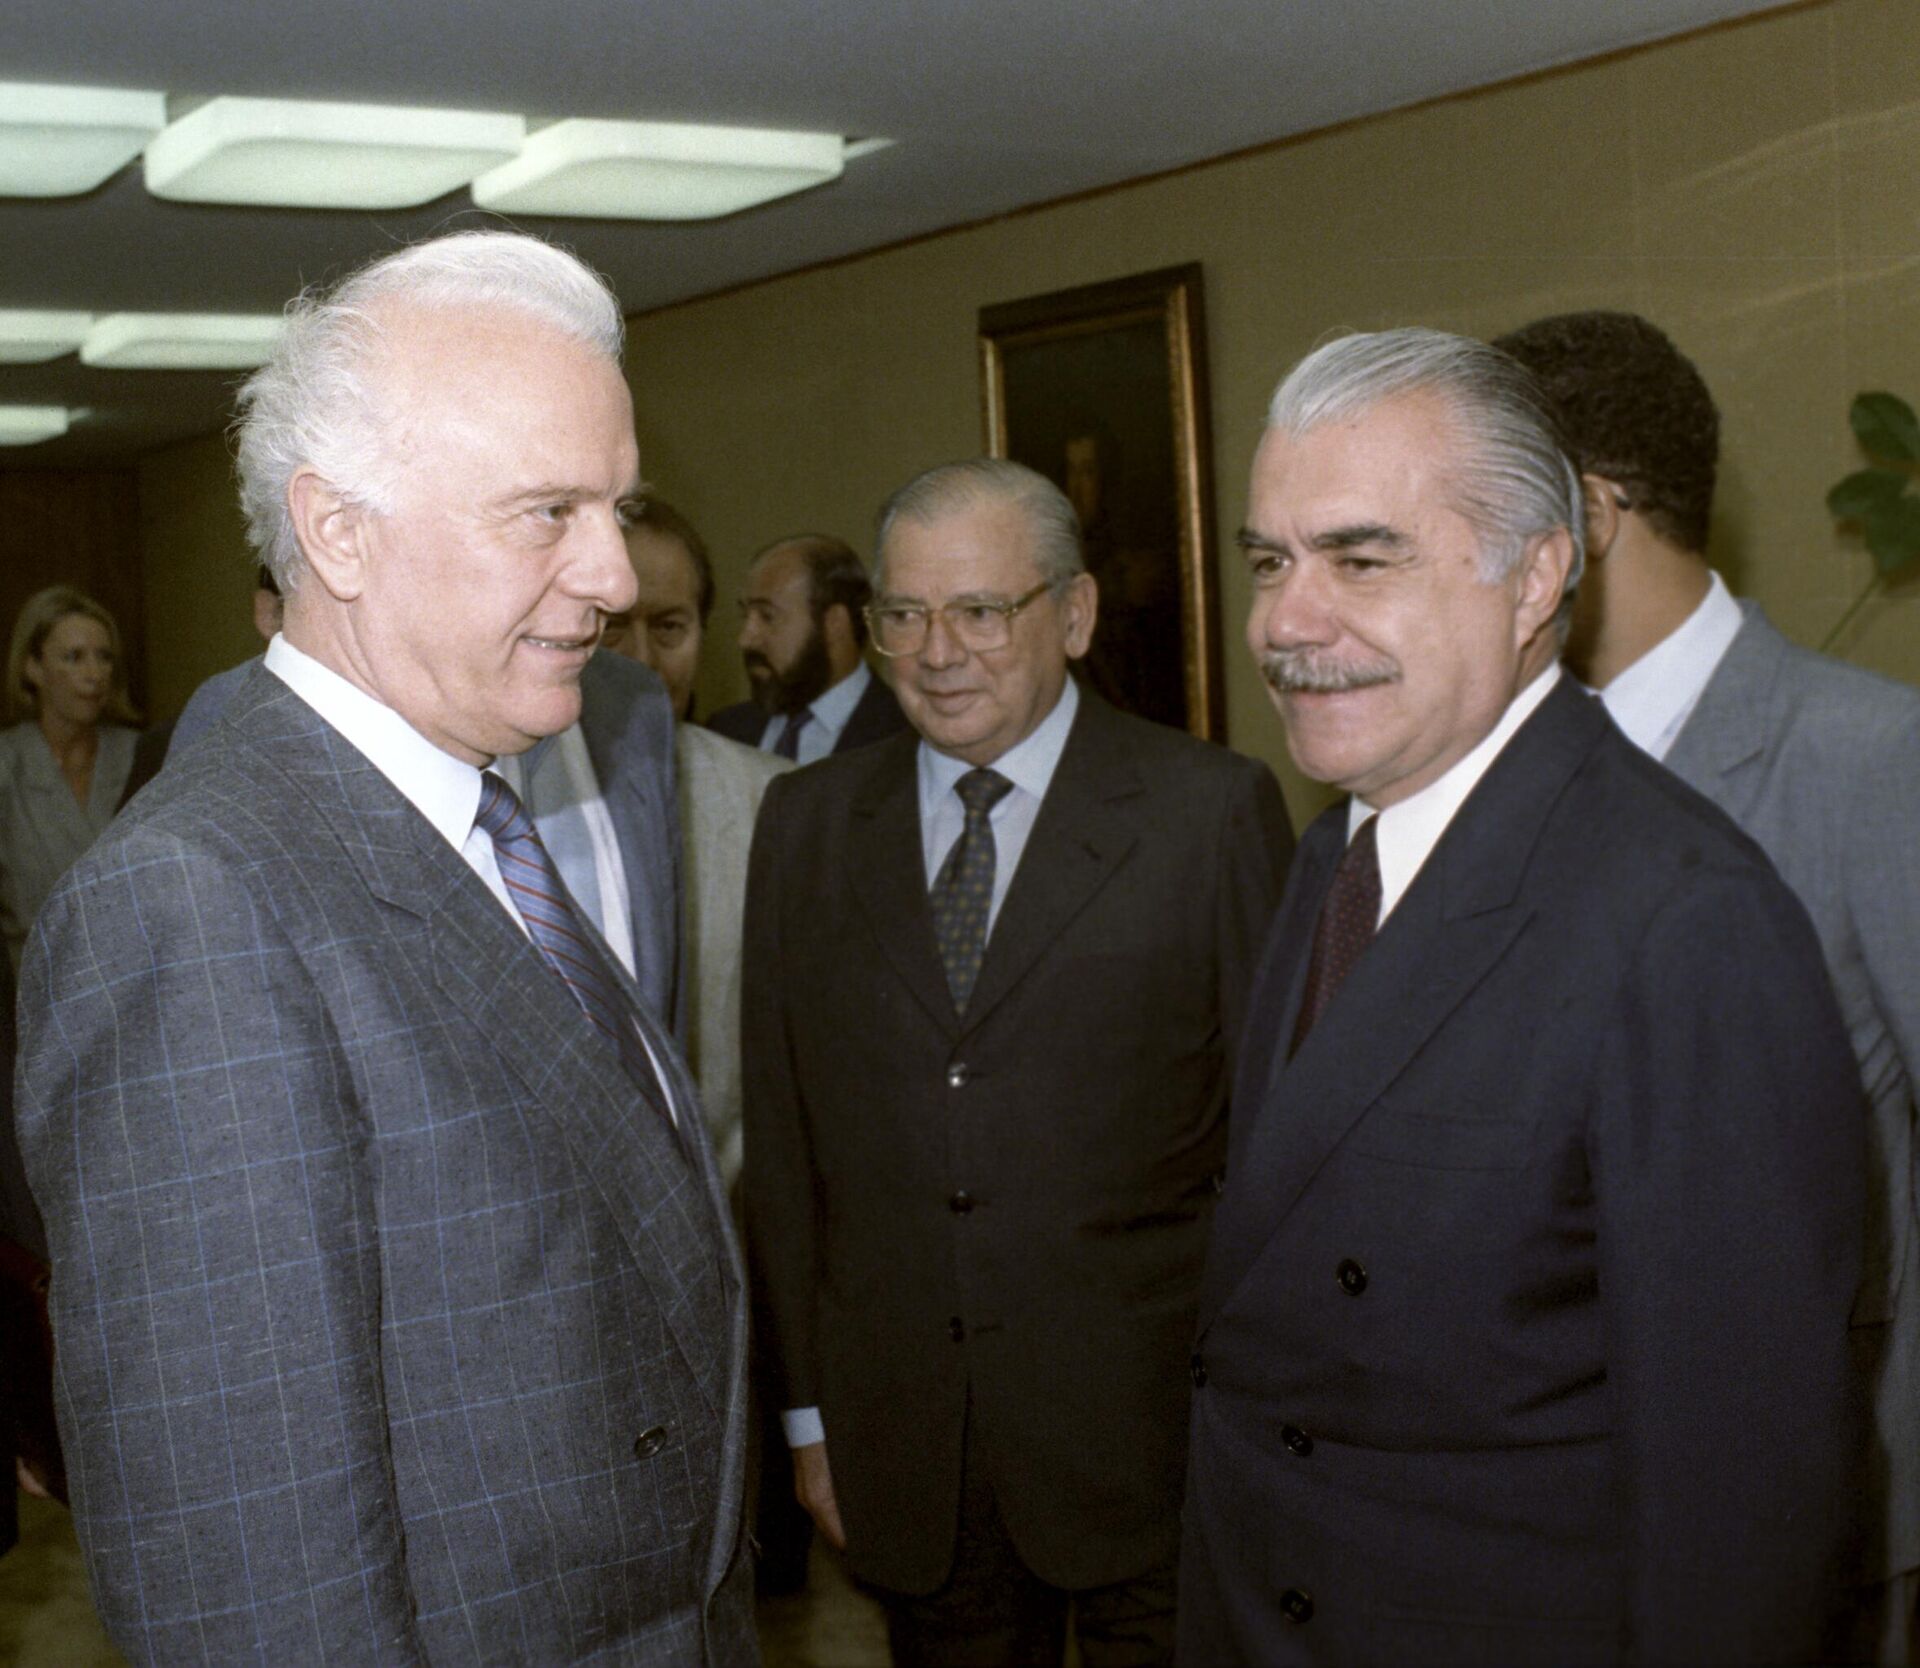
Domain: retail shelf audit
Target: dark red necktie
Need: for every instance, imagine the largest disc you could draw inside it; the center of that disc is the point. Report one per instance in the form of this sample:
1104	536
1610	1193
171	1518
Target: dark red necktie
1348	920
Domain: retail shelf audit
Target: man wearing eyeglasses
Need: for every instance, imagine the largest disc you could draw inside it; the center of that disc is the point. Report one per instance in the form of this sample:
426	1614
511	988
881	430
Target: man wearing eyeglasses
994	972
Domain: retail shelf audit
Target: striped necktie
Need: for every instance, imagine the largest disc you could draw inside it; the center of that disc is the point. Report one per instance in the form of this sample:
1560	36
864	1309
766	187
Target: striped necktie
563	942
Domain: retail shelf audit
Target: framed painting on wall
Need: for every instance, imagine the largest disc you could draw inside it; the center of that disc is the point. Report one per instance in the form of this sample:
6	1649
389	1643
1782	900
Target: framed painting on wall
1103	389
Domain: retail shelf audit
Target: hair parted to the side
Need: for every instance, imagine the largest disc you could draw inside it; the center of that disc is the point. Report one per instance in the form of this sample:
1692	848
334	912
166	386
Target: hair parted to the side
1633	409
1512	476
947	488
38	616
314	405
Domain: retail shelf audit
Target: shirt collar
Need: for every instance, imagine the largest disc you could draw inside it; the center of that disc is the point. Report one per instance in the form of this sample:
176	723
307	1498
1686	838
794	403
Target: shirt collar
1410	829
1654	697
1029	765
445	790
832	710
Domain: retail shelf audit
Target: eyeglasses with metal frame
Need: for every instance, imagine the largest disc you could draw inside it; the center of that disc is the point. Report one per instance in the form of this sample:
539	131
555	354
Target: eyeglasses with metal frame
977	624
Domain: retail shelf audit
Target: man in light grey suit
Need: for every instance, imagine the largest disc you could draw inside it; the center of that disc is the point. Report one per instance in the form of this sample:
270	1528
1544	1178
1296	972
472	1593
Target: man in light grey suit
397	1313
602	795
1820	763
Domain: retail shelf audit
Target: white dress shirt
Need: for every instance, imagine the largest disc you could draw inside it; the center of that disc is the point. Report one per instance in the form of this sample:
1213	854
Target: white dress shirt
1410	830
443	789
1653	698
1029	766
830	714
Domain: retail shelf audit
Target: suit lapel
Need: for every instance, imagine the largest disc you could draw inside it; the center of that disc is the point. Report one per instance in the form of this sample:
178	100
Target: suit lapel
1726	737
1078	842
1455	923
889	877
656	1182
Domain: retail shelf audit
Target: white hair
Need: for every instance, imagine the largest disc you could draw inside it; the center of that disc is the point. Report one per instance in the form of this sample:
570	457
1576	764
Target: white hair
313	405
1512	475
947	488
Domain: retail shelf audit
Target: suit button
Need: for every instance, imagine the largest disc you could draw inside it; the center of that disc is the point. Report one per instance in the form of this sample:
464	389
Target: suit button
649	1442
1296	1606
1299	1444
957	1075
1352	1277
956	1331
1198	1368
960	1203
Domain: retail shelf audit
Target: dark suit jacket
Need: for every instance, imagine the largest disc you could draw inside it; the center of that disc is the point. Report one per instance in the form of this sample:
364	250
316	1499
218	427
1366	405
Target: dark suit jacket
1010	1209
391	1325
628	725
875	716
1523	1332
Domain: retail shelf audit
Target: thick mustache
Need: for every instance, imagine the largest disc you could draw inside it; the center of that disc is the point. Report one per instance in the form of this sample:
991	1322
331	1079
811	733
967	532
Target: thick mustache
1312	672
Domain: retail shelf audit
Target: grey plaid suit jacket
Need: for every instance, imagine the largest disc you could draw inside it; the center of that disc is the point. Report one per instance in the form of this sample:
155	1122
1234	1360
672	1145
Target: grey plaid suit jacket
1820	763
391	1328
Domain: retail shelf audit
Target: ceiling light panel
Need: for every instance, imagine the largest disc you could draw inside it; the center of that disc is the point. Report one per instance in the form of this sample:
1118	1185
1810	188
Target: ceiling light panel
656	170
181	341
31	338
288	154
27	425
61	141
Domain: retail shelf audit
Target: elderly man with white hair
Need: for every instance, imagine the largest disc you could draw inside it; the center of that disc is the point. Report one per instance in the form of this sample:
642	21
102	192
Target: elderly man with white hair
397	1313
1523	1335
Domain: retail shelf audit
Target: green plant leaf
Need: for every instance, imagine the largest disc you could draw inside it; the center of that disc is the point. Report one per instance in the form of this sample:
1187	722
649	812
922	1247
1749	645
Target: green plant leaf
1885	425
1865	492
1893	536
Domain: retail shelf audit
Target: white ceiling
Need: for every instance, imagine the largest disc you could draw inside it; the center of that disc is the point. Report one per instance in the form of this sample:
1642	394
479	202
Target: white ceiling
992	105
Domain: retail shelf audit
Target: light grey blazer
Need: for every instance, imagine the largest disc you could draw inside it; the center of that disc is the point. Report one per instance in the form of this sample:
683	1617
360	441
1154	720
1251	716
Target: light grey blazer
43	828
721	785
628	725
391	1326
1820	763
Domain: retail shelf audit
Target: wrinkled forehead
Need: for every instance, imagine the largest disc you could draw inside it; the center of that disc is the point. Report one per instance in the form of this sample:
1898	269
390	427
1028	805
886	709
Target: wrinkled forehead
984	548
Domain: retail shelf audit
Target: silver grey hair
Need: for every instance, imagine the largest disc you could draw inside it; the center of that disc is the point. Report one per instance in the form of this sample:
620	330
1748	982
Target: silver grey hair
1512	475
947	488
314	404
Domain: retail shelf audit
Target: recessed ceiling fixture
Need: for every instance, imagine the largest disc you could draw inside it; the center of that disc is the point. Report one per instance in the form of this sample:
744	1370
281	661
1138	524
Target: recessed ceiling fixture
181	341
31	338
291	154
656	170
25	425
61	141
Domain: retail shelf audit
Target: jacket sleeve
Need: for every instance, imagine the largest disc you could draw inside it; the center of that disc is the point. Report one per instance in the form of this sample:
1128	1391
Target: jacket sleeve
1726	1147
192	1134
1256	848
782	1245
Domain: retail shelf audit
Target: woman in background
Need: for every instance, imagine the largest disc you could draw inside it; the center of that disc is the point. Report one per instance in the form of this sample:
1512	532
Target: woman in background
62	769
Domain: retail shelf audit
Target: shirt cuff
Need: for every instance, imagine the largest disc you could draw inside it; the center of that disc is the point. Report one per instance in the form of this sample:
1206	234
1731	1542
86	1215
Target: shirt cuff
803	1426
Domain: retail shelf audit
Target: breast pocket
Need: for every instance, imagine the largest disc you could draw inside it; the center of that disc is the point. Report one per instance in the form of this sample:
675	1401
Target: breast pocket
1447	1136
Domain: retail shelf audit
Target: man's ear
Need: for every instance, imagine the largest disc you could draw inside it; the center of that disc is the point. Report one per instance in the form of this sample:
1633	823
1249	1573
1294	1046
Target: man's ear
330	529
1601	499
1080	606
1542	581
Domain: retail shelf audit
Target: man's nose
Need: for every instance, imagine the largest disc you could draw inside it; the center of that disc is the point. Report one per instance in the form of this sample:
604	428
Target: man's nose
1293	611
943	646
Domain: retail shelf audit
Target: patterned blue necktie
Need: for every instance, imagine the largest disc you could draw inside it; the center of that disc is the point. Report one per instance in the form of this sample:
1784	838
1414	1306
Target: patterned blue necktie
962	894
564	944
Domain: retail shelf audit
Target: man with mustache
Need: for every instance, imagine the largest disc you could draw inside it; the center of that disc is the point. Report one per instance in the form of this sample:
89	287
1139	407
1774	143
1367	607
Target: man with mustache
1523	1335
995	971
801	636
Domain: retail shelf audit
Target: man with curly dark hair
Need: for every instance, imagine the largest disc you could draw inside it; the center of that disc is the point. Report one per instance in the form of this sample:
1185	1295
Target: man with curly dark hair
1820	763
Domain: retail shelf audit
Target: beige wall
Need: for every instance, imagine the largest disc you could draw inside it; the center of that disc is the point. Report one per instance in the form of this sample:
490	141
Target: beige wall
1753	189
199	570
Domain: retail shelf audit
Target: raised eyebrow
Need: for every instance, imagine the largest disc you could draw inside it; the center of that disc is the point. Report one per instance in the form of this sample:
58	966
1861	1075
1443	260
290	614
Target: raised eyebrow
1248	539
1372	533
